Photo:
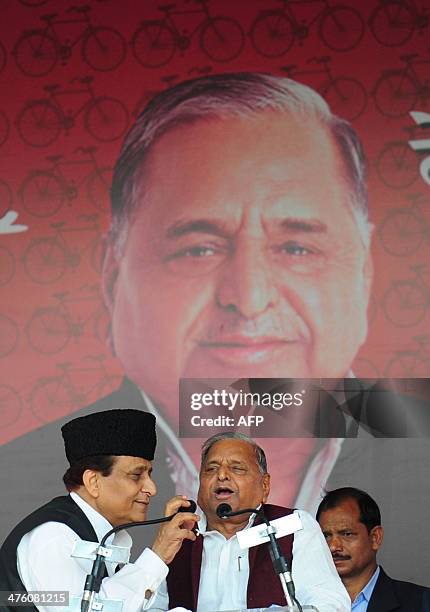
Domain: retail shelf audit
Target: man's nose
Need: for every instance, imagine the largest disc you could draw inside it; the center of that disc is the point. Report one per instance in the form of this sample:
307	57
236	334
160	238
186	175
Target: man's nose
247	285
223	473
149	487
334	544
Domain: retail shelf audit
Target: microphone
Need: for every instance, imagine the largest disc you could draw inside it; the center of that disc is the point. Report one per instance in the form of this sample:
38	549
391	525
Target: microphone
279	562
223	510
93	581
192	508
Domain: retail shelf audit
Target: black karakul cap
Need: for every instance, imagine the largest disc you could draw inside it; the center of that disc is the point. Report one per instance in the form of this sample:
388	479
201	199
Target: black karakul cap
112	432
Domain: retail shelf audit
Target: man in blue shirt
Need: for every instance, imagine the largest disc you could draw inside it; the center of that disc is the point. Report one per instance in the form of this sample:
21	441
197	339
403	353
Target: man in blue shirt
351	523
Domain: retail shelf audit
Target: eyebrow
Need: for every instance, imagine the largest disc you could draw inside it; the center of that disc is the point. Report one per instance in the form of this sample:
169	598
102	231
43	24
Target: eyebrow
307	226
198	226
218	228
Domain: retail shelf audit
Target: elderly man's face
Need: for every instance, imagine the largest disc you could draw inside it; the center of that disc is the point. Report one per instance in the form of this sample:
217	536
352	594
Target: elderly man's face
230	474
243	260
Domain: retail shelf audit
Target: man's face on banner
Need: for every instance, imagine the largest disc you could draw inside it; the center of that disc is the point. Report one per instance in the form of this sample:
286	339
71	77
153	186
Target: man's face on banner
244	258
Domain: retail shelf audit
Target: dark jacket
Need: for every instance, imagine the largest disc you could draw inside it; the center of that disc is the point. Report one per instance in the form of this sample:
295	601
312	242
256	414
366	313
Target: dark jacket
60	510
264	587
396	596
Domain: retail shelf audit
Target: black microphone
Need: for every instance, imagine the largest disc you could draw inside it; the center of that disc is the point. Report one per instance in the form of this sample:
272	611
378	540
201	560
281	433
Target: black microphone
191	508
223	510
93	581
279	562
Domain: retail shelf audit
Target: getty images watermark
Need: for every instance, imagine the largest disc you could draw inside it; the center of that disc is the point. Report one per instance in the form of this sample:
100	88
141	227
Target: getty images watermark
318	408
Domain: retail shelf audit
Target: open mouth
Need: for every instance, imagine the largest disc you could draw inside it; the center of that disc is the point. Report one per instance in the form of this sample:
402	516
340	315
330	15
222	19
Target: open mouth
223	492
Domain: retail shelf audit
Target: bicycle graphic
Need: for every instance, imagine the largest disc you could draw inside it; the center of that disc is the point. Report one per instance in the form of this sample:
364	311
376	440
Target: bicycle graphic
44	192
400	90
141	104
346	96
10	405
274	31
40	122
4	128
51	328
155	41
406	301
46	259
6	198
9	334
393	22
7	265
168	81
37	51
397	164
73	387
411	363
403	230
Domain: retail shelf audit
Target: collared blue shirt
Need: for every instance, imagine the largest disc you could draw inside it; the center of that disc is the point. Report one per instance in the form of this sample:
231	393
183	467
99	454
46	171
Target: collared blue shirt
361	602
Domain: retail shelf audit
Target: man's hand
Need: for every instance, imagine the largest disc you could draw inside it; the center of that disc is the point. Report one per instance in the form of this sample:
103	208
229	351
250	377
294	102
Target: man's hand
171	535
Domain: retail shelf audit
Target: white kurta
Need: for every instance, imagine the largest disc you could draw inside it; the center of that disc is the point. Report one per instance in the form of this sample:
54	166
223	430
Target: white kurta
44	563
225	572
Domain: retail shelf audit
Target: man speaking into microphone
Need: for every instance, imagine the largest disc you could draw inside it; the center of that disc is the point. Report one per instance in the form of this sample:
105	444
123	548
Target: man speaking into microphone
109	483
212	572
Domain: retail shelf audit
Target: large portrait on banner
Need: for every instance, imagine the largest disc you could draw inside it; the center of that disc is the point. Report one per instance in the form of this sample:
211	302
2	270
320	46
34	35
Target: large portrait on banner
209	190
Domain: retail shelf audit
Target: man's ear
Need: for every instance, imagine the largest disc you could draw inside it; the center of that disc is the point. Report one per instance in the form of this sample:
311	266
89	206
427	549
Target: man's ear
377	537
109	276
266	487
90	479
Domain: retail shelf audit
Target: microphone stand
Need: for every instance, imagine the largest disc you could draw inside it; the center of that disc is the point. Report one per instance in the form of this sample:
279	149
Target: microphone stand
93	581
279	562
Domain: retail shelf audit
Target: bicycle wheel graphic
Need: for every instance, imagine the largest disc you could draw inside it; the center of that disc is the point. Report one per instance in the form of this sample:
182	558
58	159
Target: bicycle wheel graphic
395	94
103	49
48	331
401	233
347	97
5	198
341	28
98	189
39	123
51	398
407	364
392	23
272	34
404	303
102	326
153	44
109	384
364	368
10	405
222	39
397	165
97	254
43	194
106	119
36	53
4	128
45	261
9	335
7	266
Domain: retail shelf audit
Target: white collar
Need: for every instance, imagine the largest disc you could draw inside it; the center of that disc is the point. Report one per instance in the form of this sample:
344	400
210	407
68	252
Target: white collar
203	522
99	523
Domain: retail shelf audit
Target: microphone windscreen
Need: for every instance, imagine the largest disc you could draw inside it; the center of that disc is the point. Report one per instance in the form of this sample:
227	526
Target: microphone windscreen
223	510
192	508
